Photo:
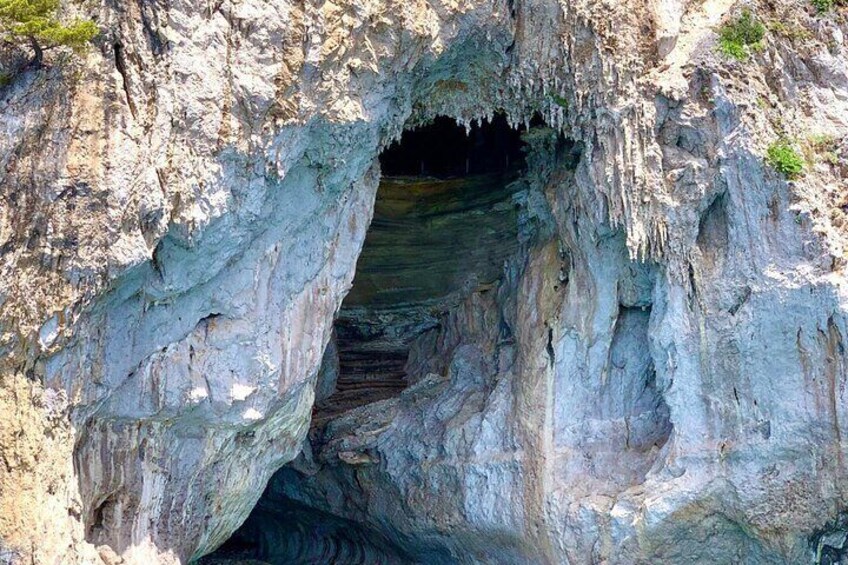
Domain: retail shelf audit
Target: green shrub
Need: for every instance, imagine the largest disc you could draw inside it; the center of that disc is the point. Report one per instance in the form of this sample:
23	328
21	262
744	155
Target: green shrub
36	23
825	6
737	38
559	101
783	158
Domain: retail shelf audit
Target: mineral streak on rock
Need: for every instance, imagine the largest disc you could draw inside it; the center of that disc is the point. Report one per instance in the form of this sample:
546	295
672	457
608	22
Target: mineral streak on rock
632	349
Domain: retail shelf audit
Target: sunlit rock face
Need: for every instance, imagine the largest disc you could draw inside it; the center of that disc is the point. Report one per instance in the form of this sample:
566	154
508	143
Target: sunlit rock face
540	416
629	348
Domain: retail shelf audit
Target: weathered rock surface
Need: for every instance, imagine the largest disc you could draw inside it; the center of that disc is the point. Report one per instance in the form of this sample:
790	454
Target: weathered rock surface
657	372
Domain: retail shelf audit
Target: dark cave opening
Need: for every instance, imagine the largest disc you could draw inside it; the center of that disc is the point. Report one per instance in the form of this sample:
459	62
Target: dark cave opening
443	149
434	238
310	536
445	220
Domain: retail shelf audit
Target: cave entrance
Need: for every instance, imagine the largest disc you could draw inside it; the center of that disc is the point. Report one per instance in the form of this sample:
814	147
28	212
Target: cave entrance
444	221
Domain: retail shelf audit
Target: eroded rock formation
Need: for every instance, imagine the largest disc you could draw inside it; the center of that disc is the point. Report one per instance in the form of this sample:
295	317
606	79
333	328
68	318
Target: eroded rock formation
641	358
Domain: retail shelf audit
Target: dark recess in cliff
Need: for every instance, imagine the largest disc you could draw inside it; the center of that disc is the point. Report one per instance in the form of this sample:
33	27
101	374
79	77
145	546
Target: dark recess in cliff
445	221
444	149
434	238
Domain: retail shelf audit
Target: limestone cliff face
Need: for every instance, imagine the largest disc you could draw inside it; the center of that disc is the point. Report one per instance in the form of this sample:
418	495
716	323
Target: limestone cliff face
656	372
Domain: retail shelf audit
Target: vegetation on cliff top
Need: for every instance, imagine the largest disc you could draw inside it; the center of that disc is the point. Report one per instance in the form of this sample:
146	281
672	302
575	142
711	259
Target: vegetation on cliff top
36	23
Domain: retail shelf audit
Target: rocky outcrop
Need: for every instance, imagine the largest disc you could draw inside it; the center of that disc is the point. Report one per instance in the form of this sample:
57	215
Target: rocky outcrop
655	372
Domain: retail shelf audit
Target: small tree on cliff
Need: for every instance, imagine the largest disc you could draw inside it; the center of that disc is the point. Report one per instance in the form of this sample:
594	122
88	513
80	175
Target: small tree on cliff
36	22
